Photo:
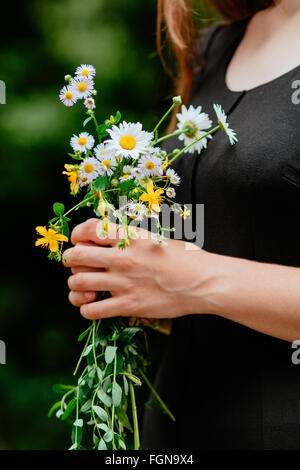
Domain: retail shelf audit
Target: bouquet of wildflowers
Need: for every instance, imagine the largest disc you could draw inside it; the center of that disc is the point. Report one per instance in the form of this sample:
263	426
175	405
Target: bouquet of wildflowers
124	175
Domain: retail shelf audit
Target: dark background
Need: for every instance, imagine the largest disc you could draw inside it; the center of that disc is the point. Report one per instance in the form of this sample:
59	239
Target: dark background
40	43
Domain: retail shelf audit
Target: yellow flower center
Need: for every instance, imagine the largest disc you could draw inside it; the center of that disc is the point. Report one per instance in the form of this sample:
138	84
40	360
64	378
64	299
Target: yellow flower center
68	95
85	72
103	152
82	86
106	163
149	165
82	141
88	168
126	176
127	142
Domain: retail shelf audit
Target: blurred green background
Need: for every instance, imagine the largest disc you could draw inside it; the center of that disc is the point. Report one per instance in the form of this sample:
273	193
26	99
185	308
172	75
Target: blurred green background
40	43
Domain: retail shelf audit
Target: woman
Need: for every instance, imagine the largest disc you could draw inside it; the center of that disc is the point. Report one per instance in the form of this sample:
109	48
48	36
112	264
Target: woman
227	374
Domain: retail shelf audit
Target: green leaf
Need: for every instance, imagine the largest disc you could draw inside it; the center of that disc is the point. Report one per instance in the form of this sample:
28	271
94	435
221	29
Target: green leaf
68	411
128	333
102	445
88	350
101	129
76	157
83	335
60	388
104	398
58	209
53	408
100	412
103	426
110	353
86	406
86	121
126	388
122	443
127	185
78	423
65	228
123	418
116	394
117	117
99	183
108	436
76	435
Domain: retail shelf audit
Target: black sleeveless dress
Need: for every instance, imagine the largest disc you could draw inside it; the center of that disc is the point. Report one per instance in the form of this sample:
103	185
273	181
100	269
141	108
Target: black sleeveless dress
231	387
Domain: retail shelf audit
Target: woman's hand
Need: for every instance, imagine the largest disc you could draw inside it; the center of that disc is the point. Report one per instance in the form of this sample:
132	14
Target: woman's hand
145	280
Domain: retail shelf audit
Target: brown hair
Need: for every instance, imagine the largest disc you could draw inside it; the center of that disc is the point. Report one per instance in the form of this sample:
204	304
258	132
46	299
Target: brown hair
176	19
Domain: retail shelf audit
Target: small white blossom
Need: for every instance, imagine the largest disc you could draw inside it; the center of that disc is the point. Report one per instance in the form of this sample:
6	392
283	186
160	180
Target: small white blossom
67	96
129	140
89	170
173	176
222	120
83	142
85	71
193	122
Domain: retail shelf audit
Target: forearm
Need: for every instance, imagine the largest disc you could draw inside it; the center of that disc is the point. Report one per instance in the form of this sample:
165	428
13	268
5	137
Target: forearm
264	297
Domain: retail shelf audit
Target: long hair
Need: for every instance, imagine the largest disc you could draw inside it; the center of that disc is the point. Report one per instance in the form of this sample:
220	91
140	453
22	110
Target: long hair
175	18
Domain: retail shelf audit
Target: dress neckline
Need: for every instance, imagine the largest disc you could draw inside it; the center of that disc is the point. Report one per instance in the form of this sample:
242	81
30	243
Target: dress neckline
229	56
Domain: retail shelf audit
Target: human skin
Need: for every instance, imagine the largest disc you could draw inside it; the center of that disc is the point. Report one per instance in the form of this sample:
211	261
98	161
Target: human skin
150	281
153	281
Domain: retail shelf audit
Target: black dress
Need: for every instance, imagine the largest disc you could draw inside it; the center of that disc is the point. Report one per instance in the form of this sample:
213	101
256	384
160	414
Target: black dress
231	387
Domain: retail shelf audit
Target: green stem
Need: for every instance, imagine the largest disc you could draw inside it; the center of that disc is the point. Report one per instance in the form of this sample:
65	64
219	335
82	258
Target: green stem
77	413
83	351
134	417
94	348
113	407
168	136
215	129
161	402
163	118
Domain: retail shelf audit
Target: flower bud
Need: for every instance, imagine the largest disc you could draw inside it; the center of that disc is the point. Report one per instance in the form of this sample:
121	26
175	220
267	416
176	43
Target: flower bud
68	78
177	100
114	182
94	92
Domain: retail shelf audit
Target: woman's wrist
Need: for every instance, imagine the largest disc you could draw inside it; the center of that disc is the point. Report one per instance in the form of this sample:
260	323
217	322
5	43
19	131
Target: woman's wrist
214	279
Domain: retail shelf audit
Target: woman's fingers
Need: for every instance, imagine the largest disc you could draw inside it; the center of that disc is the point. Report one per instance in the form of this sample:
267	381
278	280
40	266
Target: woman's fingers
111	307
90	231
89	256
79	298
94	282
85	269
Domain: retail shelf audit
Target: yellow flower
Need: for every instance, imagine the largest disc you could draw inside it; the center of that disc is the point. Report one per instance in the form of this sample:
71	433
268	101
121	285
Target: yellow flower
50	238
72	178
165	164
154	198
185	214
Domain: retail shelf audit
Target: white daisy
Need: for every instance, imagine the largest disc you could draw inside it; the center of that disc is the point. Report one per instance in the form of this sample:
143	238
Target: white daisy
136	172
173	176
82	86
89	103
127	169
106	158
222	120
192	122
150	165
85	70
129	140
89	170
68	96
136	210
170	192
126	177
83	142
